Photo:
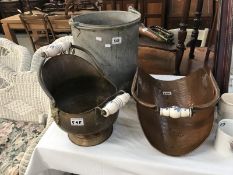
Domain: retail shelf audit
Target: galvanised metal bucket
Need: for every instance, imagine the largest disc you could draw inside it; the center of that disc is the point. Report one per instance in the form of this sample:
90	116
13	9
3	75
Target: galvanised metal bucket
112	37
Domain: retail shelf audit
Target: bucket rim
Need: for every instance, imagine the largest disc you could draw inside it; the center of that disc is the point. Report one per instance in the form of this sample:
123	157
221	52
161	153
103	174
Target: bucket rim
80	25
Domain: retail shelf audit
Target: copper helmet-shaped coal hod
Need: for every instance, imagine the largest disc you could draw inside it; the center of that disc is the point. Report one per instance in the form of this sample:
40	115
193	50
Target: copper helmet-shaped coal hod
176	116
79	91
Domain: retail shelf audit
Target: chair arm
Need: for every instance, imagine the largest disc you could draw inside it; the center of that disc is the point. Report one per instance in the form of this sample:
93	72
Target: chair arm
37	59
25	62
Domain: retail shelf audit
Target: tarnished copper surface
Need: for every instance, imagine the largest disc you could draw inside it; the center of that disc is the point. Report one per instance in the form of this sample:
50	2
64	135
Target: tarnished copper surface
156	33
156	61
197	91
76	88
90	140
147	32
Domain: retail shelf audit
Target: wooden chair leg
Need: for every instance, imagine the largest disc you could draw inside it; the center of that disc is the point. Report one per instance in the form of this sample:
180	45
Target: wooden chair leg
136	4
121	5
143	5
181	36
197	22
104	5
212	37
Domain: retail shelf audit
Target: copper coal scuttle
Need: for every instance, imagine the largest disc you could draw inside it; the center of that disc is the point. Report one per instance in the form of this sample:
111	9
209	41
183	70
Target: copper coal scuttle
176	116
84	102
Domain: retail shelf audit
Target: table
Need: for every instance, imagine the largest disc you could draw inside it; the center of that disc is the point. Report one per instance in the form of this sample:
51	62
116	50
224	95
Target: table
126	152
12	23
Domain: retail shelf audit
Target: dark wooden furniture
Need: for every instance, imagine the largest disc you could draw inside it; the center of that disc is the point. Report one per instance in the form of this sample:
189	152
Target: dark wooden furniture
175	13
182	35
153	11
119	4
40	37
166	13
180	47
196	26
74	5
9	8
163	55
221	43
224	46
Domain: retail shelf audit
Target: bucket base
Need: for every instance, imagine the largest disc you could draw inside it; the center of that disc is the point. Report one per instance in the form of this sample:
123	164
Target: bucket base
92	139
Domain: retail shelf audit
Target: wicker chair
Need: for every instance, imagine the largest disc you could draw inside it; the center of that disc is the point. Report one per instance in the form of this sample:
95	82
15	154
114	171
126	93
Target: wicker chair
22	97
23	108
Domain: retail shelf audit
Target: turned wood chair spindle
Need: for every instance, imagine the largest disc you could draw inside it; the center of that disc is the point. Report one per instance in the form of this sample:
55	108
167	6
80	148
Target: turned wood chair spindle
197	23
136	4
143	5
211	46
181	36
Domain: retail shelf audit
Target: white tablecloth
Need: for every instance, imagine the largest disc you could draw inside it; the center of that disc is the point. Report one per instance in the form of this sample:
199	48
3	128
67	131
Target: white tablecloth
126	152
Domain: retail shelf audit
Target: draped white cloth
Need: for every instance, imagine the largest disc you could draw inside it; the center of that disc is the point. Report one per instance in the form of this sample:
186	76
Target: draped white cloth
126	152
